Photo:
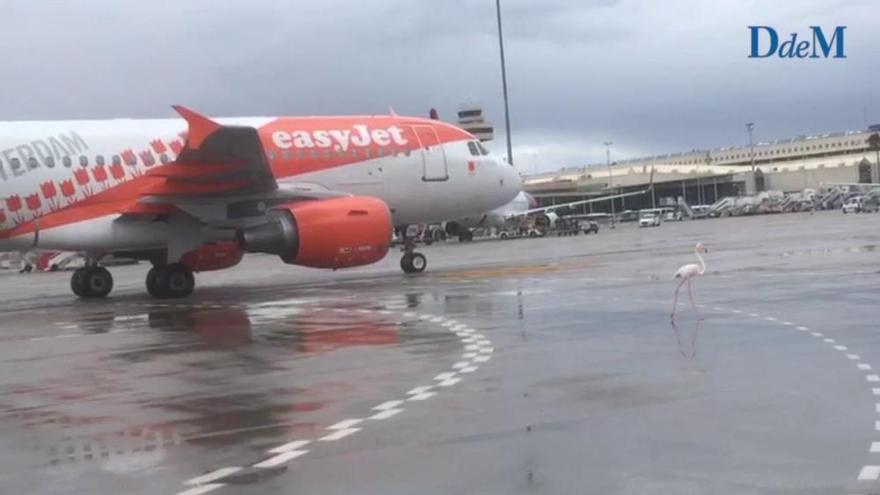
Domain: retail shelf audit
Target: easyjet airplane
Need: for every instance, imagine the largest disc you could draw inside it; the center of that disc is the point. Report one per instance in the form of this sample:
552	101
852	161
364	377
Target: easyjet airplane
195	194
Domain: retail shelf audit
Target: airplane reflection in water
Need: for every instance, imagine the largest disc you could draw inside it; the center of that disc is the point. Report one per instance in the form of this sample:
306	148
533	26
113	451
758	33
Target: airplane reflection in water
196	404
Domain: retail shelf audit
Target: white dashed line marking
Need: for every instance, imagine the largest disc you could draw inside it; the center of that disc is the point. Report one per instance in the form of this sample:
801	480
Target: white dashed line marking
477	347
875	447
869	473
391	404
828	341
803	329
841	348
387	413
875	391
280	459
423	396
864	366
290	446
420	390
872	378
816	334
853	357
346	424
213	475
339	434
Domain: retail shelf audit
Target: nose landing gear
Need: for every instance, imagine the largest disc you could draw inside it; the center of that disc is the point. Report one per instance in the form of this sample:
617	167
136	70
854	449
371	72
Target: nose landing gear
411	261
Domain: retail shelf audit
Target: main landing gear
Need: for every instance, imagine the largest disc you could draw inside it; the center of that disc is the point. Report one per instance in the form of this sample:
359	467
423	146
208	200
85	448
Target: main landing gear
91	282
411	261
170	281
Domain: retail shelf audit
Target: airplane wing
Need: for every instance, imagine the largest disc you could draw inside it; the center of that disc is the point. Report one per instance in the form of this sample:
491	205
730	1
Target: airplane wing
545	209
216	161
222	175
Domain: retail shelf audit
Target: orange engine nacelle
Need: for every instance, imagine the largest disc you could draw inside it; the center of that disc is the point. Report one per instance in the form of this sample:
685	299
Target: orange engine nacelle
329	233
212	257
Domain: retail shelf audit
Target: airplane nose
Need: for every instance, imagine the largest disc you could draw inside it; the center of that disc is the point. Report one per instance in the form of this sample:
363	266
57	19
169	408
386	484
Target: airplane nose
511	181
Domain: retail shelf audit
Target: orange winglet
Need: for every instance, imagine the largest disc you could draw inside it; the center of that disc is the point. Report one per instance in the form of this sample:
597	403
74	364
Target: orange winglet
200	127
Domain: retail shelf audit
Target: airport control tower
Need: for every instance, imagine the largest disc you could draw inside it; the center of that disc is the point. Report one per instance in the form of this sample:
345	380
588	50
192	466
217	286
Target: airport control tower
470	118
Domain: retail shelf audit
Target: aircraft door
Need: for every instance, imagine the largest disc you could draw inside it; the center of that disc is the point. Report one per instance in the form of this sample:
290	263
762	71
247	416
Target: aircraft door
434	166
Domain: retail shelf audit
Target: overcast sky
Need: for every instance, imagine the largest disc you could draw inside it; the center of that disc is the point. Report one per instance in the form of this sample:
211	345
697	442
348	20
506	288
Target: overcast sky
651	76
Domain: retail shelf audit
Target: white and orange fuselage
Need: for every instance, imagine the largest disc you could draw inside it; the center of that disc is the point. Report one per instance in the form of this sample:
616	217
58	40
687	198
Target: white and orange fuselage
66	185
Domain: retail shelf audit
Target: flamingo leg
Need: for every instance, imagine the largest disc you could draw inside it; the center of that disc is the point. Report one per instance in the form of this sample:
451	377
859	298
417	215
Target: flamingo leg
693	304
675	299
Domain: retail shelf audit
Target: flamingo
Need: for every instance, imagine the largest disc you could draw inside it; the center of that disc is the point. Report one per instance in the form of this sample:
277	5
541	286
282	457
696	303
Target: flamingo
686	273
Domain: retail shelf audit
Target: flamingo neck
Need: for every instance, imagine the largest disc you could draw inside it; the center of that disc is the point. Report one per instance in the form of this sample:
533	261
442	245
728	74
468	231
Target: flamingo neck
702	263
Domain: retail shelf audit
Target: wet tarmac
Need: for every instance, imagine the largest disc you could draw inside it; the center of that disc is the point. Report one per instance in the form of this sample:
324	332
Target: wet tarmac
528	366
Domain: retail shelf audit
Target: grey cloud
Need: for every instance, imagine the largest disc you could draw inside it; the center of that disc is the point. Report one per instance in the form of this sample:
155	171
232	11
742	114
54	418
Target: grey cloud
652	76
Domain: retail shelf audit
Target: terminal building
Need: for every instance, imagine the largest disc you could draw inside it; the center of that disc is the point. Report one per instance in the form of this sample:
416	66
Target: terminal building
702	177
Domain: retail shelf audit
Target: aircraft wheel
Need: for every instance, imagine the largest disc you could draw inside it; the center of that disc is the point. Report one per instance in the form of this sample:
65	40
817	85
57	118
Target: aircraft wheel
91	282
413	263
77	284
153	287
170	281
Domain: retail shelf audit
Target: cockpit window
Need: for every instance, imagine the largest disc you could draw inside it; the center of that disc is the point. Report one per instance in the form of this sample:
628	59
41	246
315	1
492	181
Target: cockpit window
483	150
472	146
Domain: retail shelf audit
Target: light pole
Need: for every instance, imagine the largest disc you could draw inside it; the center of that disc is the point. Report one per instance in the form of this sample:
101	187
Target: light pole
610	177
504	83
750	127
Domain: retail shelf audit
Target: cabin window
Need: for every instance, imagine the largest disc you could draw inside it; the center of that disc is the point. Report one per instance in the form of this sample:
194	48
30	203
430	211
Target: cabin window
314	154
15	165
287	155
83	161
116	160
67	162
301	154
328	154
33	163
99	160
50	161
472	147
163	158
367	152
131	159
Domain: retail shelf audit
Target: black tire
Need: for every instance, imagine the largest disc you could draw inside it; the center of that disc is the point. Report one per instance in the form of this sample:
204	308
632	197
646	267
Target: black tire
91	282
406	263
77	284
152	287
418	262
175	281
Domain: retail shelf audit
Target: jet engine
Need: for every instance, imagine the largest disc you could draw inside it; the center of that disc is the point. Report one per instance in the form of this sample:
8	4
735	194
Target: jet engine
546	221
330	233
